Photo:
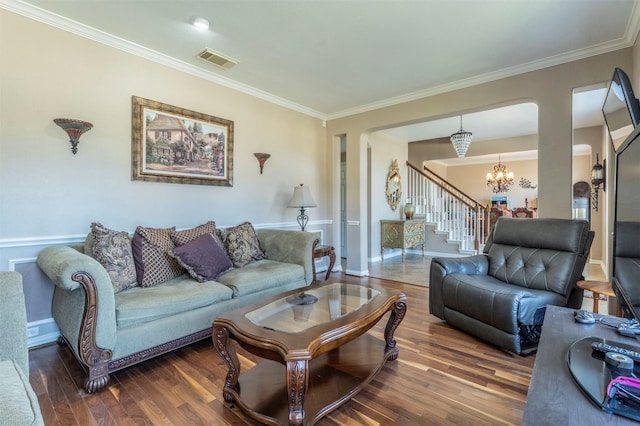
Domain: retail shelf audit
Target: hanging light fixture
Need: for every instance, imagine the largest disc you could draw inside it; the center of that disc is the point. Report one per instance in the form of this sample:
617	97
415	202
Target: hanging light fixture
500	180
461	140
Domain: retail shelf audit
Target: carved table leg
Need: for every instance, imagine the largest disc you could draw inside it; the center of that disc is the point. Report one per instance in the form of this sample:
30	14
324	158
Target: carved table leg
396	317
297	383
228	354
332	261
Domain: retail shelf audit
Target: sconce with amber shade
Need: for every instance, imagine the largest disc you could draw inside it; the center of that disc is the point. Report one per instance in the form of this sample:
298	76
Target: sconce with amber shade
262	158
74	128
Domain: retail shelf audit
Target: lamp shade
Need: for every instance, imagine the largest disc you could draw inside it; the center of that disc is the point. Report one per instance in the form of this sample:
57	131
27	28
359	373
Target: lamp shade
302	197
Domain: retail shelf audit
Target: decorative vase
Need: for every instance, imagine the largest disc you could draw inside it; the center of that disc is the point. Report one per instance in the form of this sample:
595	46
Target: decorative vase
409	210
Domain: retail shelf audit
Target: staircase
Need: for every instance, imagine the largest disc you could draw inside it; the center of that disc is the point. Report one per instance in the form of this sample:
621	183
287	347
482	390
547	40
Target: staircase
460	218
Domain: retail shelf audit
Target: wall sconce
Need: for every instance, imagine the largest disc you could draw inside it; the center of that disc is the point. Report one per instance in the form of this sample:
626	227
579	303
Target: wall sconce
597	179
262	158
75	129
302	199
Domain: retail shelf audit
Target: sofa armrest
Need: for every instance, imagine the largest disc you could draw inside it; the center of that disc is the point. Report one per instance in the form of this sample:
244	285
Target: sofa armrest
83	303
443	266
13	317
290	247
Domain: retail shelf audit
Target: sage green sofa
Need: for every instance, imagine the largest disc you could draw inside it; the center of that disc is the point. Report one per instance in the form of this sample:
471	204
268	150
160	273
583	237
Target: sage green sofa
18	402
108	331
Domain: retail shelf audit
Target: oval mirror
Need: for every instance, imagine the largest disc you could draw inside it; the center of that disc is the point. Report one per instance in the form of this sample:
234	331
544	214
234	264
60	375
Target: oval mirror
394	187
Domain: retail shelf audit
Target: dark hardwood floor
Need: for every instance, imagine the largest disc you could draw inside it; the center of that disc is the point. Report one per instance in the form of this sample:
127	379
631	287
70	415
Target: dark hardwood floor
442	376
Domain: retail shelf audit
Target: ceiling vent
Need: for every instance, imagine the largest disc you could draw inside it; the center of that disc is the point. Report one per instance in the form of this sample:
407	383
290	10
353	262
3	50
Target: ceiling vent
217	58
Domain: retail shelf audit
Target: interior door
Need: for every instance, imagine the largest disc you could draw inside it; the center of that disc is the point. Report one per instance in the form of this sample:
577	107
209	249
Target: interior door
343	209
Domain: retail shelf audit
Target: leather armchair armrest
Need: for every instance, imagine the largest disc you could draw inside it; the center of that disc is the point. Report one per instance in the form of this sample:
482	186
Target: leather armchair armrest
472	265
443	266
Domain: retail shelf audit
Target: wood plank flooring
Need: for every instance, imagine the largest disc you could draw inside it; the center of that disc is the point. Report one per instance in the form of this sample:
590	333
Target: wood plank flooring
442	377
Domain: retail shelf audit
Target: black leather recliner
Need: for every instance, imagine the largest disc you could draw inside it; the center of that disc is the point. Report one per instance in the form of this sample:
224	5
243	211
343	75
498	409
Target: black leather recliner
501	295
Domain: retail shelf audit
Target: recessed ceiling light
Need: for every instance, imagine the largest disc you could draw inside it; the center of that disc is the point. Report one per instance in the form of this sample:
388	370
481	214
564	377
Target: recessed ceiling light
201	23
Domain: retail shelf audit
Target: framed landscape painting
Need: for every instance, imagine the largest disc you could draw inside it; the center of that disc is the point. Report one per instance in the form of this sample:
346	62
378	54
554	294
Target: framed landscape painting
175	145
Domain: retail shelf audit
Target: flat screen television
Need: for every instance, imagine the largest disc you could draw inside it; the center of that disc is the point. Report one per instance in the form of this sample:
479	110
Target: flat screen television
626	237
621	109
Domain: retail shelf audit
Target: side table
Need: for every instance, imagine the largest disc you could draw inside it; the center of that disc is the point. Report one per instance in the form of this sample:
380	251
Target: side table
554	397
402	234
320	252
598	288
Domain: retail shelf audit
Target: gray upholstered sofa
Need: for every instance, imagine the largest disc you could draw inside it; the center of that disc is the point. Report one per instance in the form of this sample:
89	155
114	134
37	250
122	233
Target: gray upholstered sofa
18	402
501	295
107	330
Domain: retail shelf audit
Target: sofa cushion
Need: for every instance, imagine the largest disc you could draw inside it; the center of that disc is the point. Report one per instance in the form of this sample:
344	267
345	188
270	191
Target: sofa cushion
18	402
180	238
154	264
242	245
203	258
261	275
139	305
493	302
113	250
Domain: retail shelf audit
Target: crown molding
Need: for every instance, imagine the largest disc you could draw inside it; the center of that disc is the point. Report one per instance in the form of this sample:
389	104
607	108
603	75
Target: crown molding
628	40
82	30
60	22
488	77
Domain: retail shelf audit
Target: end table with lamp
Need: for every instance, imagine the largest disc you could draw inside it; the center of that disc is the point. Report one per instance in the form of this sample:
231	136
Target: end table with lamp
302	200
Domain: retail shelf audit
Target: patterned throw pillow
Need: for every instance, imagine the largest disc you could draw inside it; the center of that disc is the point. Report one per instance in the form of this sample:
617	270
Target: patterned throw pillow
180	238
242	245
113	250
203	258
154	264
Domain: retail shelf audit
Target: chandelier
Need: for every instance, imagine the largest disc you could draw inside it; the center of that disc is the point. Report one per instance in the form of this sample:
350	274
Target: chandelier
500	180
461	140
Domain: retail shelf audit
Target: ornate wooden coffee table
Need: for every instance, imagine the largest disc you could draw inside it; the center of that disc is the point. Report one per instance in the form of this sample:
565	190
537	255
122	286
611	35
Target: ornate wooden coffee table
315	349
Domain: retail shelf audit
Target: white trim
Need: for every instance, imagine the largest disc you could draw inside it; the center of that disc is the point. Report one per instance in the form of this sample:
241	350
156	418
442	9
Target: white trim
102	37
627	41
42	339
38	323
364	273
79	239
13	262
41	241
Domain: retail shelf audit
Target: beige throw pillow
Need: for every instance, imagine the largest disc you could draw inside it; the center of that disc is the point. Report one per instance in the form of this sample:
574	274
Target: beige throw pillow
113	250
242	245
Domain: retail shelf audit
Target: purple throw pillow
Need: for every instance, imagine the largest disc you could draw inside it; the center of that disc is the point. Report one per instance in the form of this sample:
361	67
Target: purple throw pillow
203	258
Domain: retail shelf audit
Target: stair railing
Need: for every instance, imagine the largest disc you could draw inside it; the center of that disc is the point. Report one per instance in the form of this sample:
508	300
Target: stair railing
452	210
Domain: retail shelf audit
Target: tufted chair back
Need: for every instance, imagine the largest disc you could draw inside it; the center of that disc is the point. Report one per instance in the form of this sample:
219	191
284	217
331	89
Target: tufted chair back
541	254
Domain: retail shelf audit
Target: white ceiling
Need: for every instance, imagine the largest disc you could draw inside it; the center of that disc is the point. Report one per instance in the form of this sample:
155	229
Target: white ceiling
331	58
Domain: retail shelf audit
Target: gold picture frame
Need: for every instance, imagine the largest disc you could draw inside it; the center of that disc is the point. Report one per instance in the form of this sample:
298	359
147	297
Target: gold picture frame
170	144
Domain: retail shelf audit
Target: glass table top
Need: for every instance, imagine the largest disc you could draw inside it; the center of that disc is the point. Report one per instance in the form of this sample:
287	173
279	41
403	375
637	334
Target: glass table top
311	307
